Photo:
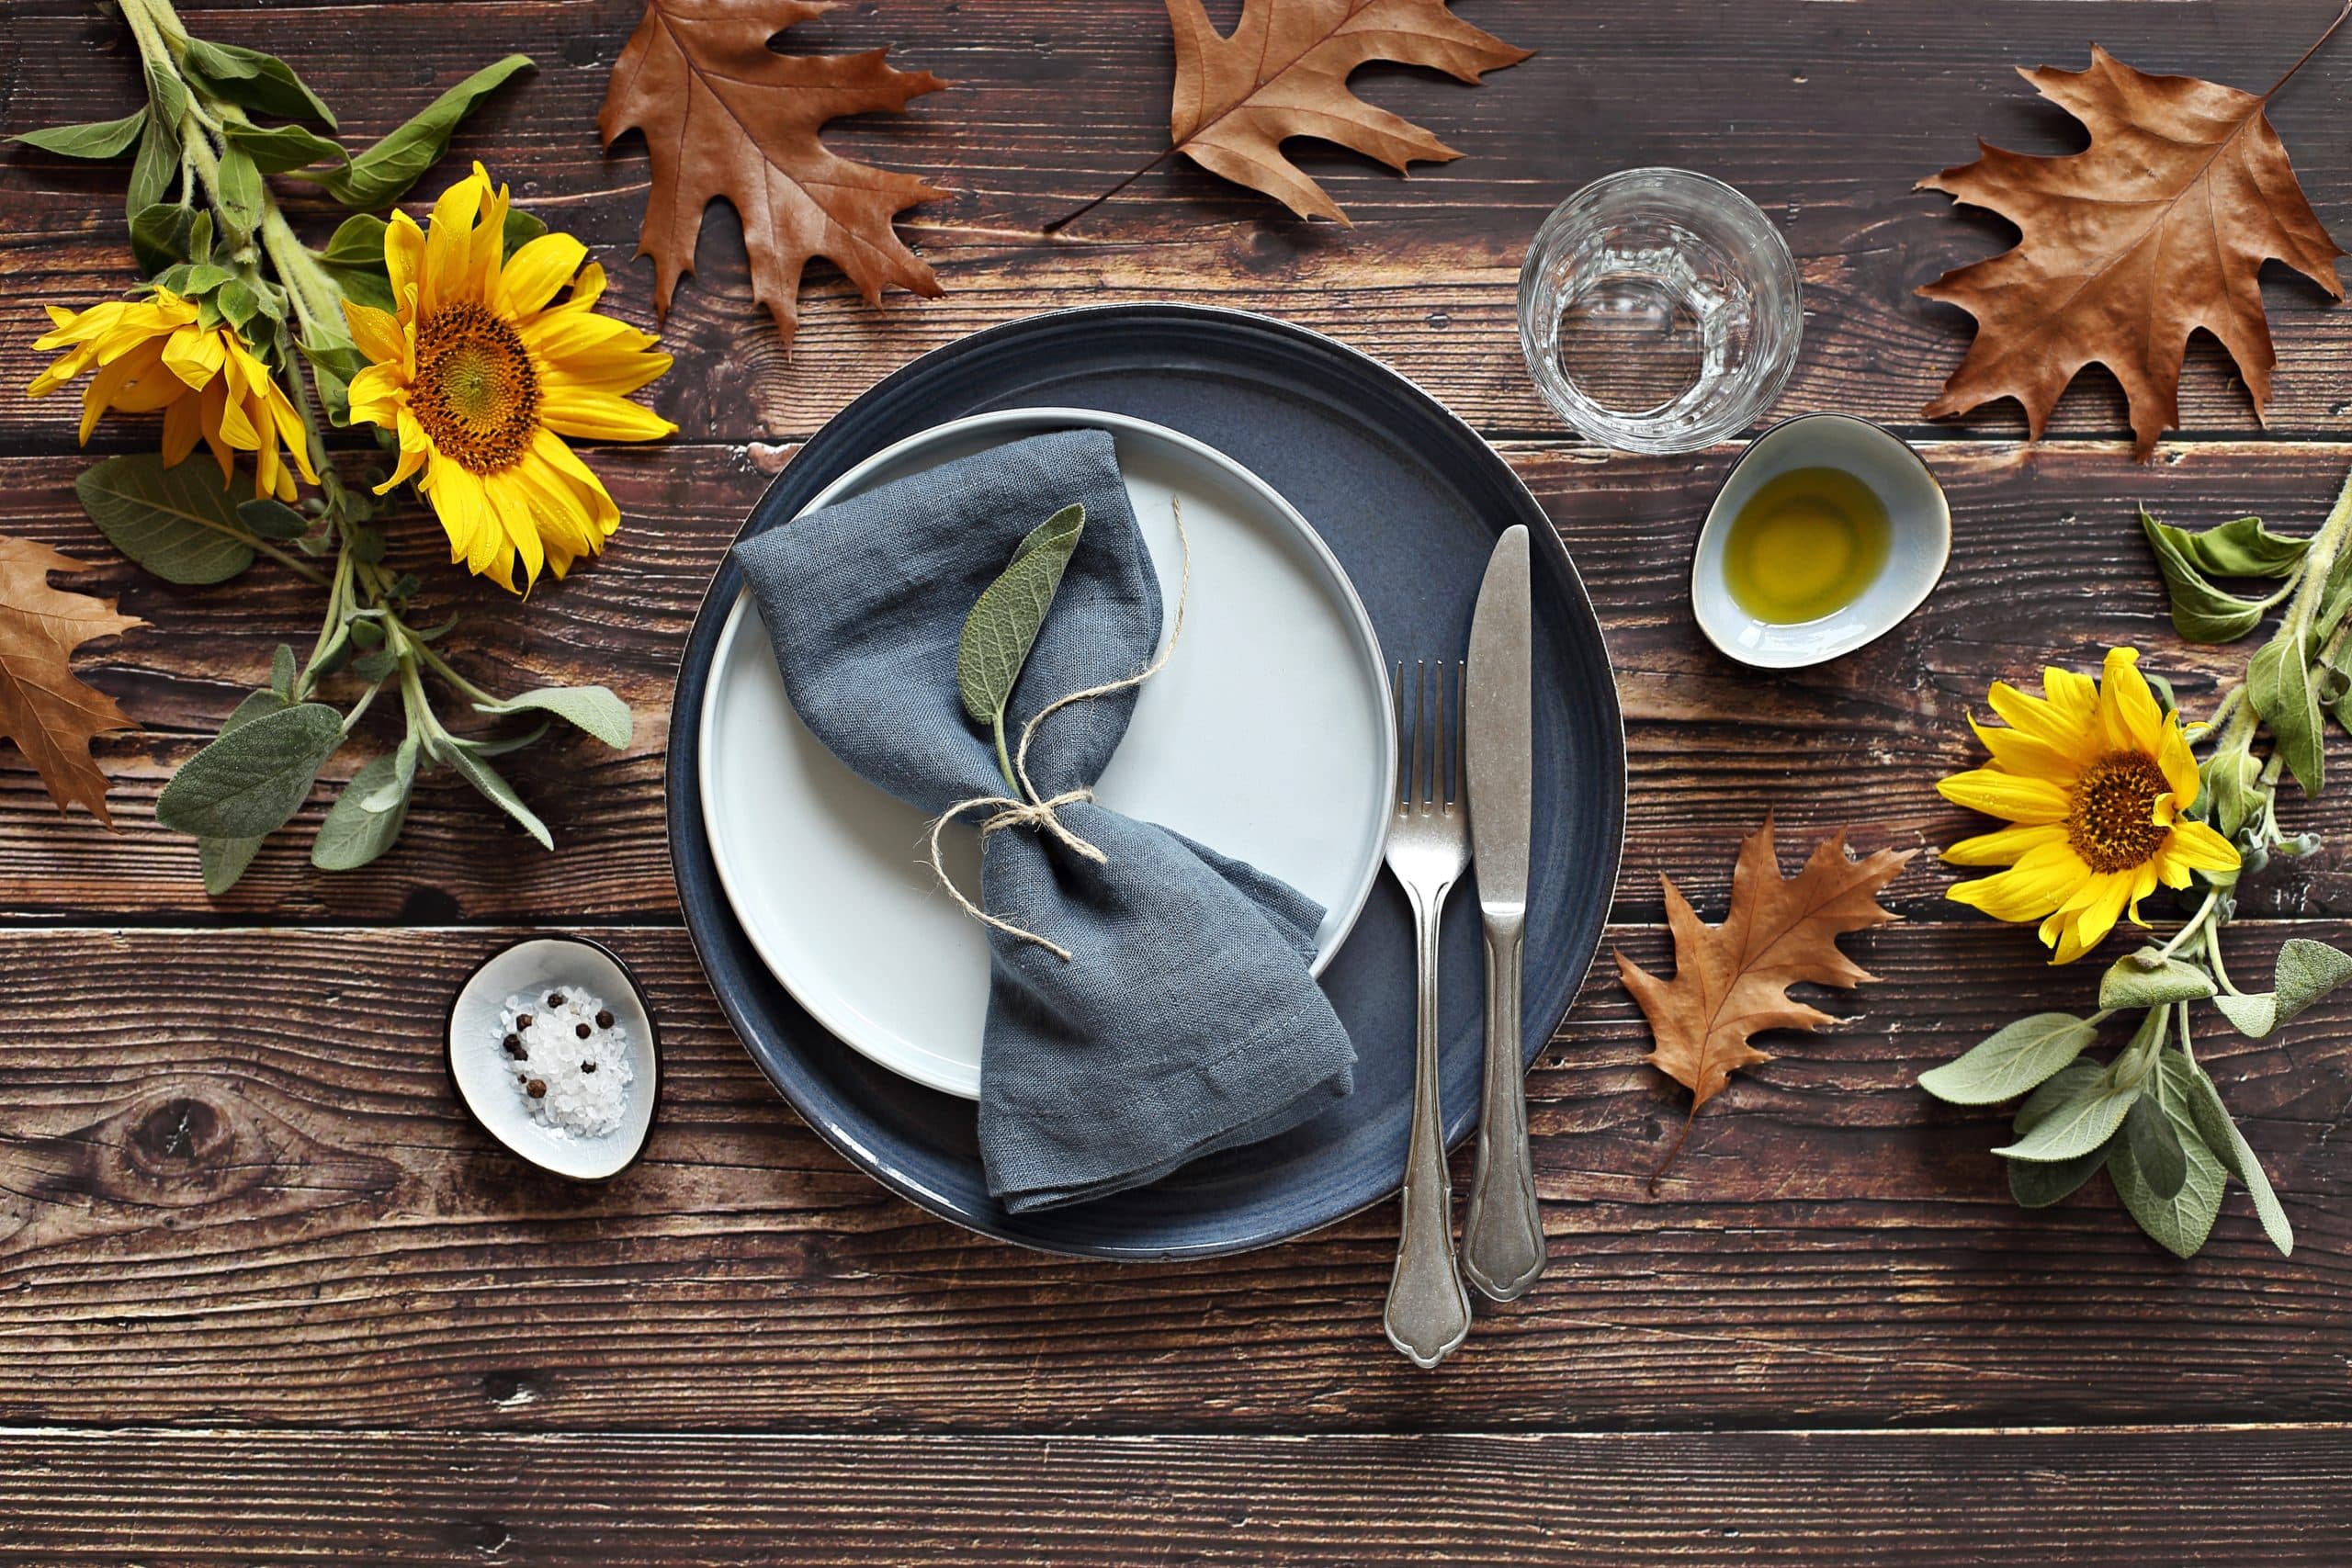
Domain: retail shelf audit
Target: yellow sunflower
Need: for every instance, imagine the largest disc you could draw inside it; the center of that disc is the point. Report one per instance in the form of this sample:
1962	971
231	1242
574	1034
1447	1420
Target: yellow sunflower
2096	780
152	355
481	376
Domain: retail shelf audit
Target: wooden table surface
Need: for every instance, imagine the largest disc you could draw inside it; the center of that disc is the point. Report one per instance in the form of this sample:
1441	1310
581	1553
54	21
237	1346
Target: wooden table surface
266	1295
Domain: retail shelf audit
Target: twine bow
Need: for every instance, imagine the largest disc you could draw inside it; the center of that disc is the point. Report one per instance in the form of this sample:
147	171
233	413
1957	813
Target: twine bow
1044	813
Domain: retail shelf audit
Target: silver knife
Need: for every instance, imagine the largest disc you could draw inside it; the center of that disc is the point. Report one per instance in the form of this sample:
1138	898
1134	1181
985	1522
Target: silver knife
1503	1238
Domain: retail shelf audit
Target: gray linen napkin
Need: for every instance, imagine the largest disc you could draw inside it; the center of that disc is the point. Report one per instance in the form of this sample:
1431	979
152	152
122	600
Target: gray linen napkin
1186	1020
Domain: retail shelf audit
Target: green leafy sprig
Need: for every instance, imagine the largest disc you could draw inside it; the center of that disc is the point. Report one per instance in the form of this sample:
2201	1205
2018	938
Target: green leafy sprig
205	224
1004	623
2151	1117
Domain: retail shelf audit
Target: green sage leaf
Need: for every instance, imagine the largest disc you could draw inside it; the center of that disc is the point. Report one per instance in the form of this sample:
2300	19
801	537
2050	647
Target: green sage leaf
268	519
224	862
2219	1131
2307	971
97	138
240	192
2278	682
590	708
485	778
180	523
282	673
2180	1220
282	149
251	780
2071	1114
253	80
1007	616
376	178
256	705
2014	1060
2254	1015
2155	1147
2036	1184
394	790
2133	983
356	829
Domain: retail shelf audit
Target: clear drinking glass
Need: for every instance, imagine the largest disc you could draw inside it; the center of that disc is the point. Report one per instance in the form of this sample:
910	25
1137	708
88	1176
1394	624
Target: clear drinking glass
1659	311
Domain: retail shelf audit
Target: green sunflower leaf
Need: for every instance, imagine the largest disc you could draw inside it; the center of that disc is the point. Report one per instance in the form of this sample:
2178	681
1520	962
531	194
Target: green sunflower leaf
377	177
2201	611
253	80
97	138
2278	683
282	149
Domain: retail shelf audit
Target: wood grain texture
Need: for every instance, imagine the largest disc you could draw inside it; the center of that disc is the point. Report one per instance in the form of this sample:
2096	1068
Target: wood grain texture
1827	115
2049	565
258	1203
2114	1499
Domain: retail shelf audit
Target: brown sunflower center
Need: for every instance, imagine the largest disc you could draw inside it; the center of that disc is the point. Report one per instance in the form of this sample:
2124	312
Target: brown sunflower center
475	392
2115	799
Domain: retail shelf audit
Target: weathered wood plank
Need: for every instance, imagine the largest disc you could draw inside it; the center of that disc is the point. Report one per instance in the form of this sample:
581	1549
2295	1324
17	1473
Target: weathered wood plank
2049	564
234	1188
1826	114
2179	1496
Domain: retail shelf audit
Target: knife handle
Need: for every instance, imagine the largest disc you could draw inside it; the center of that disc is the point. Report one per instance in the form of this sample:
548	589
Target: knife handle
1502	1236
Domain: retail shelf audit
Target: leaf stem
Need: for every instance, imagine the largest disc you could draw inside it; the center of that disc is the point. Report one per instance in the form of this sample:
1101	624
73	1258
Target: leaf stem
1003	762
2305	60
1066	219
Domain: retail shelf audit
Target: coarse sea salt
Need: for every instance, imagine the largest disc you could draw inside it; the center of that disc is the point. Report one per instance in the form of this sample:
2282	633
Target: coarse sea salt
569	1060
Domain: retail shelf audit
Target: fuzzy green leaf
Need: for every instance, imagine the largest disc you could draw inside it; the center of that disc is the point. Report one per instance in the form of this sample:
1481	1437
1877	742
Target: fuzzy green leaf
2278	682
253	80
251	780
2231	789
280	149
2136	982
224	862
162	235
2038	1184
2219	1132
2014	1060
269	519
2307	971
180	523
282	673
485	778
1009	613
2071	1114
2180	1220
2155	1147
355	259
357	829
2201	611
520	231
238	184
97	139
2254	1015
590	708
2242	547
153	171
376	178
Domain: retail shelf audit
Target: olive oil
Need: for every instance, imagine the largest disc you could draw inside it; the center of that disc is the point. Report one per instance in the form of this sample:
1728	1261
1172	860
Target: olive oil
1807	543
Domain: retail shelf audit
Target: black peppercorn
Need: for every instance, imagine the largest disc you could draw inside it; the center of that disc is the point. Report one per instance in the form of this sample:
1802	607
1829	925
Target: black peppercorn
555	999
581	1029
522	1020
514	1049
605	1019
538	1089
587	1067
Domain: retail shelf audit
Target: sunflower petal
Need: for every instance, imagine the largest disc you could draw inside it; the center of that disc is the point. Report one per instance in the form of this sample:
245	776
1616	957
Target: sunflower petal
2004	847
2005	795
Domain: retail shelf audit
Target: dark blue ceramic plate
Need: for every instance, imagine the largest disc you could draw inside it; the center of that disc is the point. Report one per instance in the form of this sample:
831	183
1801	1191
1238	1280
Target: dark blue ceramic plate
1410	499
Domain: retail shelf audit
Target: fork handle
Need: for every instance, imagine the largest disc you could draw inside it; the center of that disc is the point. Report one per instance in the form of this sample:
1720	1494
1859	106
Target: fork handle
1427	1314
1502	1236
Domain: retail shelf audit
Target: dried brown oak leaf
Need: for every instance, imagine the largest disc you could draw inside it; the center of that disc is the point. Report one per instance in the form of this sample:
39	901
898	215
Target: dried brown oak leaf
1731	981
2160	226
1284	73
51	717
726	116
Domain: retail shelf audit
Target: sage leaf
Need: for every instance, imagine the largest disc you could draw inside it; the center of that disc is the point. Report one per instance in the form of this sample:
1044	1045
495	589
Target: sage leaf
2144	981
97	138
253	80
224	862
282	149
396	789
2180	1220
2201	611
2155	1147
590	708
180	523
357	829
1006	618
271	519
2071	1114
2278	683
486	779
2015	1059
2254	1015
505	743
238	185
376	178
2219	1131
251	780
255	704
2038	1184
282	672
2307	971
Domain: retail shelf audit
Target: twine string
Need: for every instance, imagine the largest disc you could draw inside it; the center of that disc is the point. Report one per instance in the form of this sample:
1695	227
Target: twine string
1044	813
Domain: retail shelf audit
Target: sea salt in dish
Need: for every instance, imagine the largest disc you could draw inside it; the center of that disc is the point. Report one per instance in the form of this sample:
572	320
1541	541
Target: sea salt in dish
565	1014
570	1059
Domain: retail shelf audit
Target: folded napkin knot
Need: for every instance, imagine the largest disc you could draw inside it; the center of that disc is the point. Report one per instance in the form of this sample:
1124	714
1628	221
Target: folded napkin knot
1030	810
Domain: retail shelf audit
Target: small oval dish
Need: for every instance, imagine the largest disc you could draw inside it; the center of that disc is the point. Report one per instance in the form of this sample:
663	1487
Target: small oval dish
490	1064
1918	541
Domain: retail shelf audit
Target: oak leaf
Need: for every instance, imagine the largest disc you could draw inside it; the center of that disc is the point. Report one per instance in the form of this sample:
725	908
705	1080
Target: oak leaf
1284	73
50	715
1731	981
2160	226
726	116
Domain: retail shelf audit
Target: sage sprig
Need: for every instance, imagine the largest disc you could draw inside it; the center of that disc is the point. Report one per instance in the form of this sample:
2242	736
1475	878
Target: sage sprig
1004	623
205	226
2151	1117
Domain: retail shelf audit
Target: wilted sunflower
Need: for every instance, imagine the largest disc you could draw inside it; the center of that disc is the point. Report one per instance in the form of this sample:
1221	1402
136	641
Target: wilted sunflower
152	355
2098	781
482	377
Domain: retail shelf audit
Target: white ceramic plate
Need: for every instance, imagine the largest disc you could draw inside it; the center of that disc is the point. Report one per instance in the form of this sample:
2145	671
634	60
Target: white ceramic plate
1267	737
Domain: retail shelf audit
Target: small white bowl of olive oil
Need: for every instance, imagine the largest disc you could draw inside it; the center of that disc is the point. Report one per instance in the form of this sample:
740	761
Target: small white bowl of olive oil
1827	534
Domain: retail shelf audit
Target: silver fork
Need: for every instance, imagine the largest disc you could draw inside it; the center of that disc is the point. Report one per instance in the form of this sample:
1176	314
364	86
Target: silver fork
1429	843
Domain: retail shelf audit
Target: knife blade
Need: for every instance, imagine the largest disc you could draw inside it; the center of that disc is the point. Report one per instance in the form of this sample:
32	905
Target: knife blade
1502	1235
